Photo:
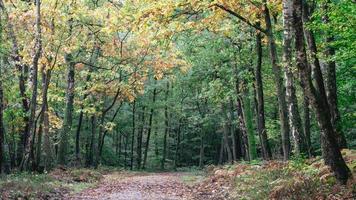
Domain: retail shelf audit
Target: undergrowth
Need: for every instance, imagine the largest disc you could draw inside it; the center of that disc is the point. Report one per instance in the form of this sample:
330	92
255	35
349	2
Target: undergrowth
53	185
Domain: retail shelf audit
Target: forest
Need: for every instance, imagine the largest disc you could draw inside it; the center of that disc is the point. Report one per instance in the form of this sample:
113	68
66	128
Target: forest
215	92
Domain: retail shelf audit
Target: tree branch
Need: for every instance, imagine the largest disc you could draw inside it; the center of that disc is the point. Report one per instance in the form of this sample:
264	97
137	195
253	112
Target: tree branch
240	17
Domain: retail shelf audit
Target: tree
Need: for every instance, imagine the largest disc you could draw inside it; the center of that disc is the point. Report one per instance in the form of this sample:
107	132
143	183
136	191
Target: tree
33	105
68	112
294	117
149	129
330	81
266	150
2	129
317	95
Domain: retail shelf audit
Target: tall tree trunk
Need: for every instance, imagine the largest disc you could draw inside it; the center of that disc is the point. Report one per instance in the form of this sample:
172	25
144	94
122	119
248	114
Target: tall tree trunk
294	116
317	95
281	92
22	87
37	161
77	135
266	150
330	81
315	67
133	133
178	140
306	126
2	129
125	150
119	146
12	148
93	58
241	120
139	138
201	152
46	77
232	129
90	161
166	130
67	122
149	129
33	105
247	111
226	142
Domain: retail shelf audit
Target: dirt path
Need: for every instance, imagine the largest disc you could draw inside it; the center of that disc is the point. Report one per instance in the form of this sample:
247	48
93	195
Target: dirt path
139	186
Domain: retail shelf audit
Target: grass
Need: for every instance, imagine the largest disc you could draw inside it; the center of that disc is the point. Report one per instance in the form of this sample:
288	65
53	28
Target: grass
297	179
47	186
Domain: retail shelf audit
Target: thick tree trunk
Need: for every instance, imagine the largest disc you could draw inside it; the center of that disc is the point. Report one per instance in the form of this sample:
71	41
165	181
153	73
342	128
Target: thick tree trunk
119	146
166	130
140	137
318	98
226	142
201	152
241	121
221	154
67	122
12	148
315	60
330	82
46	77
90	160
149	129
133	133
306	123
103	135
232	130
37	161
93	58
33	105
178	140
2	129
294	116
77	136
247	111
125	149
266	150
281	93
22	87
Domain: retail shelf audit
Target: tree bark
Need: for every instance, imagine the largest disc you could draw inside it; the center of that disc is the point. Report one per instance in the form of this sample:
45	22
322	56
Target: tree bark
266	150
295	125
149	129
178	138
133	133
330	81
90	161
2	129
46	77
226	141
241	120
166	130
33	104
281	91
201	152
139	138
232	130
318	98
93	59
67	122
306	126
247	111
15	55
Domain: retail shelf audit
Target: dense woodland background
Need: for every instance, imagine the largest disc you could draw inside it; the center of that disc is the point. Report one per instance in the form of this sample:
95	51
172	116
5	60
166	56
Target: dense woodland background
167	84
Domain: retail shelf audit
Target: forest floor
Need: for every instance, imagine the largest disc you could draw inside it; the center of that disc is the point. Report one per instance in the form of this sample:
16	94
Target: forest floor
140	186
296	179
